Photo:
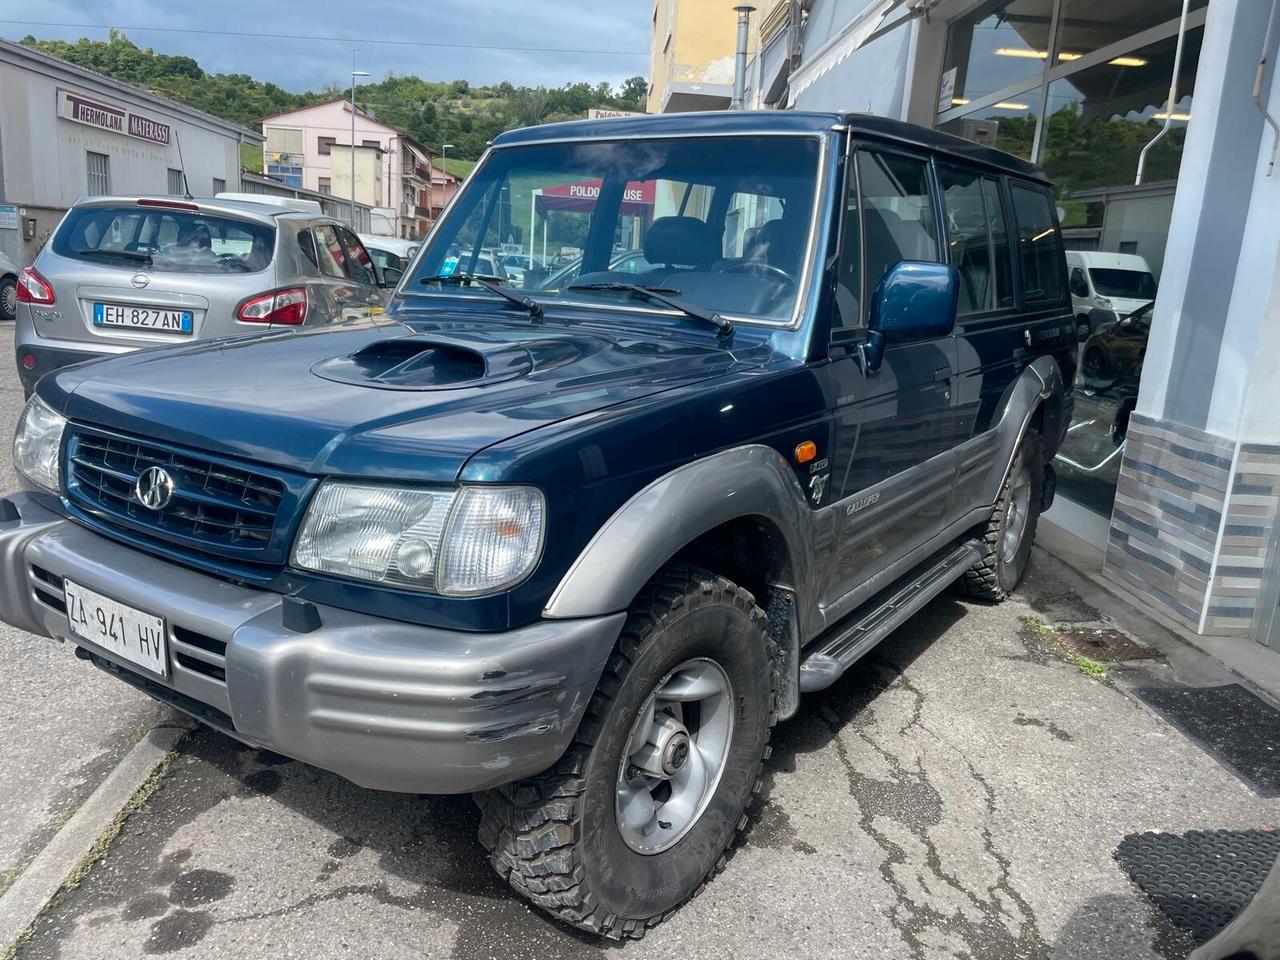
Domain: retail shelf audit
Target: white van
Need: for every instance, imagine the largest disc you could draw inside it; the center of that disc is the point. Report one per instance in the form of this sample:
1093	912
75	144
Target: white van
1119	282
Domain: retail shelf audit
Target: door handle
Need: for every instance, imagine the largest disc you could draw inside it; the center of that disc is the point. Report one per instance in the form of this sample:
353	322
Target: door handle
942	375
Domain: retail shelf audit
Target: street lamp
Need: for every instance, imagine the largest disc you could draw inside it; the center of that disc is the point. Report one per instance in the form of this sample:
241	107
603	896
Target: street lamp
354	74
444	162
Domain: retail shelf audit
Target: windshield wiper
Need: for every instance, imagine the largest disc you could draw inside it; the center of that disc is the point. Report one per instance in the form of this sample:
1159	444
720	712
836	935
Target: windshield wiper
125	254
493	285
660	295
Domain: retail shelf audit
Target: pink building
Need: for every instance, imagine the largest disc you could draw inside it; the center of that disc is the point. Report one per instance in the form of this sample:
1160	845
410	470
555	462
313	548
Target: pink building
299	150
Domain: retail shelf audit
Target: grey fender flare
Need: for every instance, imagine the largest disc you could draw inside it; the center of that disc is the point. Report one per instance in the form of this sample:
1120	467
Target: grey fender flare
673	511
1038	384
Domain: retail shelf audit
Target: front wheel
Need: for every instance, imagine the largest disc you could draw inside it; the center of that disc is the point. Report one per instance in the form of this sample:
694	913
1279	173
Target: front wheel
1007	536
644	805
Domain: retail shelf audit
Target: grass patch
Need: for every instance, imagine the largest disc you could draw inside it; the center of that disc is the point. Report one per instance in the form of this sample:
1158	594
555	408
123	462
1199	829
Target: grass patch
1090	668
96	852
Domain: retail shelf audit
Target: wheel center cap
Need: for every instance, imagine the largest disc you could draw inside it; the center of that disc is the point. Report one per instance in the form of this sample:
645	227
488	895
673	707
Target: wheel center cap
675	754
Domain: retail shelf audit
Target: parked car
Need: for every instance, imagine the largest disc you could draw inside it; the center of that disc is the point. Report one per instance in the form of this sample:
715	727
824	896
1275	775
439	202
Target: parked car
1120	282
1119	344
8	288
122	273
577	550
390	254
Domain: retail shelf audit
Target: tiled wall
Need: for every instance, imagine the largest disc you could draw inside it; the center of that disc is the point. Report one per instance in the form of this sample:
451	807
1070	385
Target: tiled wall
1175	484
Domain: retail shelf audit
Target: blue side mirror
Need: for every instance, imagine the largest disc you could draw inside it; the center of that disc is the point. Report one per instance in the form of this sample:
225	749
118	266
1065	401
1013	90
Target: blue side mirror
914	300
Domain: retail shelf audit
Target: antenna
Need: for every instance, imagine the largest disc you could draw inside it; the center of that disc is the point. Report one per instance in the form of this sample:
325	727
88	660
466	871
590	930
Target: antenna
182	166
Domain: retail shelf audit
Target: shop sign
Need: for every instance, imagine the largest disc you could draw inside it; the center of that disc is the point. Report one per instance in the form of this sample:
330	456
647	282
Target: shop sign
8	216
596	113
105	116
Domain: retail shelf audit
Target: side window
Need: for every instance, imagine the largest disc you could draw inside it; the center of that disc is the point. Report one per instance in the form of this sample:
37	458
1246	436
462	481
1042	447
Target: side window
329	250
1040	251
849	269
897	212
969	241
979	242
999	243
307	244
358	263
1079	286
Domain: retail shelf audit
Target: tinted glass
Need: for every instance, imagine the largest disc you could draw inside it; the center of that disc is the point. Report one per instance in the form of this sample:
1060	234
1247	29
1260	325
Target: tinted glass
1124	284
848	312
1009	125
897	212
359	264
998	44
329	250
723	221
1089	25
165	240
1002	251
1043	262
970	241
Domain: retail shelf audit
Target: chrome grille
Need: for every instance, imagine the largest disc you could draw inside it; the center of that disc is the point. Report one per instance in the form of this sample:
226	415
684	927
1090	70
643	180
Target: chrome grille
212	503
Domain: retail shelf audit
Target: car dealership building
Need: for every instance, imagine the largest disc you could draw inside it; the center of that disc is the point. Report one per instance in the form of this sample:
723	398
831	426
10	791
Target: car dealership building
66	132
1172	467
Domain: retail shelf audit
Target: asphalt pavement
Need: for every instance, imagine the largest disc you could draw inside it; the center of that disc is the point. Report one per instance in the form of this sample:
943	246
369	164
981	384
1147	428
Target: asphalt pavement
959	794
63	725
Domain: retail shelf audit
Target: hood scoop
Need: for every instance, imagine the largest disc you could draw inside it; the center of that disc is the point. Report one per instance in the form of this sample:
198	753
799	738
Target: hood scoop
427	363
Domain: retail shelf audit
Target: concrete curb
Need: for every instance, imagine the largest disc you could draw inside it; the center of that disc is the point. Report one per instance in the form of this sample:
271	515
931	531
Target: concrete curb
22	903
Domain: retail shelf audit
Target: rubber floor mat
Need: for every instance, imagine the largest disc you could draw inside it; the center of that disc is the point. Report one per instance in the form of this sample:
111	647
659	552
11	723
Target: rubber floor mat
1202	879
1230	724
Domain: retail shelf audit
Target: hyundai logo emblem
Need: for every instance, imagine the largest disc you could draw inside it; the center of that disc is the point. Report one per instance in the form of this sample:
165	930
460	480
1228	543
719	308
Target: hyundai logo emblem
140	280
154	488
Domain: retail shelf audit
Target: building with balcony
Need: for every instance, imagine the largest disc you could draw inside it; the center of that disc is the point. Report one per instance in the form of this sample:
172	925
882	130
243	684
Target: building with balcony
311	148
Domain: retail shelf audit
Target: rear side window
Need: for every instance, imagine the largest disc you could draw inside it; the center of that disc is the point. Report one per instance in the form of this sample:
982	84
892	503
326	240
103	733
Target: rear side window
329	250
359	264
164	240
1044	270
978	241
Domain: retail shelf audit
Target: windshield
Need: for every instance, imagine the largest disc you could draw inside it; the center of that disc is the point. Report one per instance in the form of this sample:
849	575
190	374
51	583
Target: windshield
720	222
1123	284
165	240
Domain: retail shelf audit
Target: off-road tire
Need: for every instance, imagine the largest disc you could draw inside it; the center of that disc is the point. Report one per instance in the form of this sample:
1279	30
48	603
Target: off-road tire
992	577
555	838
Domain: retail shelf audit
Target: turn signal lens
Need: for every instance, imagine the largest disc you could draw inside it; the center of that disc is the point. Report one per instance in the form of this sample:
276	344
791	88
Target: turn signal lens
33	288
806	451
285	307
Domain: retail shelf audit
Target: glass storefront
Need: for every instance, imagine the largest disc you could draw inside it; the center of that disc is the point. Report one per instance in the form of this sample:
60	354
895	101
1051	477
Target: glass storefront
1081	87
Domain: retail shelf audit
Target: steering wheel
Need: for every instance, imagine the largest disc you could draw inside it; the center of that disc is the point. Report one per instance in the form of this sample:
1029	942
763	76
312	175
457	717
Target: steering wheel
759	268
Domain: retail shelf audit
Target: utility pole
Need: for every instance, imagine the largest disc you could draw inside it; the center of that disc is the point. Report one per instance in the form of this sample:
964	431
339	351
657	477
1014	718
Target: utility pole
354	73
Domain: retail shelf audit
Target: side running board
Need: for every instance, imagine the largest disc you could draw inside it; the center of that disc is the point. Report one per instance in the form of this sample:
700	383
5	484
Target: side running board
881	615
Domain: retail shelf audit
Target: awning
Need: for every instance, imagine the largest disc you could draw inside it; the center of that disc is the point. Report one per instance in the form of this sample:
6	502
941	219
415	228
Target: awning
843	45
638	200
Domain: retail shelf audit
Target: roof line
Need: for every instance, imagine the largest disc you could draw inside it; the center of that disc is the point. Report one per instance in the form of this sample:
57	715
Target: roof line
18	51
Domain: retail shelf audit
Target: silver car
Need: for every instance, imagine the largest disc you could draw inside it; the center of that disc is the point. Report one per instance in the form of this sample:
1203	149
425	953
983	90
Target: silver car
124	273
8	288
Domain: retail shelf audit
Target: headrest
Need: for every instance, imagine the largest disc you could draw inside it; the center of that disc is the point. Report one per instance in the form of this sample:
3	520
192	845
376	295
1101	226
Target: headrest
685	241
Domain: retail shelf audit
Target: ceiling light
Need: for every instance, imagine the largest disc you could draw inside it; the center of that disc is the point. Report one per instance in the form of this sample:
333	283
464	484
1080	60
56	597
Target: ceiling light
1128	62
1008	105
1025	54
1177	116
959	101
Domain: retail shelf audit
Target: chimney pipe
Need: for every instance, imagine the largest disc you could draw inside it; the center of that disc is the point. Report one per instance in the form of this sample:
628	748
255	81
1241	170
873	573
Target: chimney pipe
740	61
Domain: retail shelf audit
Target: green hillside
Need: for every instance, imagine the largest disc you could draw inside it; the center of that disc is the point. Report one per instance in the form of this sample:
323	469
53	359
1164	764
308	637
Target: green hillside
432	111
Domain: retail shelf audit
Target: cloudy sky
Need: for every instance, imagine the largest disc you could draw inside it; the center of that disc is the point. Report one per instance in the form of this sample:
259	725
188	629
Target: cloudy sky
589	40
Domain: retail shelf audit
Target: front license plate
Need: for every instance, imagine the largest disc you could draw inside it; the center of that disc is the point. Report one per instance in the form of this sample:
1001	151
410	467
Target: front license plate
141	318
128	633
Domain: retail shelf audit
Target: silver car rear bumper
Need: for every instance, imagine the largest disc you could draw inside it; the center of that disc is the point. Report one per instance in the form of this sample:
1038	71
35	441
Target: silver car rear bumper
388	705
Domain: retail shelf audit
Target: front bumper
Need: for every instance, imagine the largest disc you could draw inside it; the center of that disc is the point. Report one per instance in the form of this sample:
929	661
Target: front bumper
388	705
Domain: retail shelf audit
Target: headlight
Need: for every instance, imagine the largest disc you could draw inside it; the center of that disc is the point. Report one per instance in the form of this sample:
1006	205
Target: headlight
457	542
38	443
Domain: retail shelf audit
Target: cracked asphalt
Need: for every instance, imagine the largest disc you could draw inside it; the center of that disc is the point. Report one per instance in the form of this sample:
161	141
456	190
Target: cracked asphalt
959	794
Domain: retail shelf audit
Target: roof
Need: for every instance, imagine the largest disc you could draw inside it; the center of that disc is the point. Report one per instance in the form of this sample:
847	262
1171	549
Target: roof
22	56
346	105
770	122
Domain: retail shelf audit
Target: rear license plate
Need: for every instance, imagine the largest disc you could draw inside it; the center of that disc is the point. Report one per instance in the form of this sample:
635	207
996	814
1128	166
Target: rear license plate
141	318
128	633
